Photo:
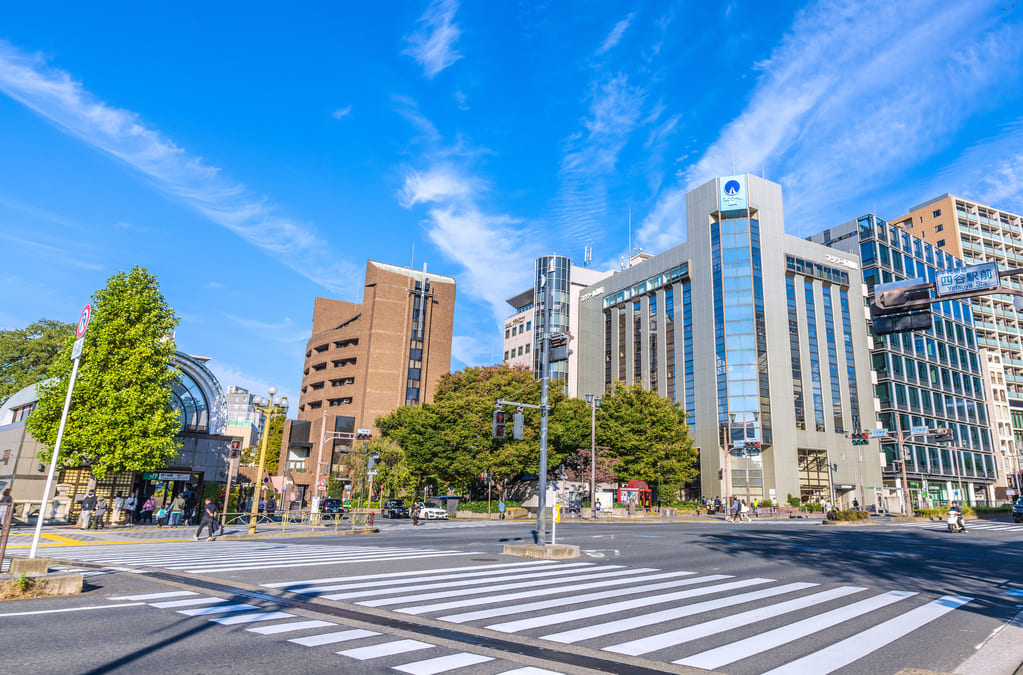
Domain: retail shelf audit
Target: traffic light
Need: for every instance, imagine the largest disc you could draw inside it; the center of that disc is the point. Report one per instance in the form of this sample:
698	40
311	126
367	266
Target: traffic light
499	424
517	423
235	449
860	438
752	446
363	435
942	435
721	474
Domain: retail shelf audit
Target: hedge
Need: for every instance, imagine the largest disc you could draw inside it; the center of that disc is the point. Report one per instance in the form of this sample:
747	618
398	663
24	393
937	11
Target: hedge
848	515
481	507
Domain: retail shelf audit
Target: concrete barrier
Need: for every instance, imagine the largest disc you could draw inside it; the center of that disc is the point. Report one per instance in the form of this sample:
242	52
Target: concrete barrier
548	552
29	566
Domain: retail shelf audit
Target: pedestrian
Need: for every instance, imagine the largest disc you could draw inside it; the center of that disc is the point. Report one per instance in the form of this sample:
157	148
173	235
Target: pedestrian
500	508
744	511
717	505
130	505
209	521
733	511
6	497
177	509
161	513
856	504
271	506
148	507
118	508
596	510
416	509
100	511
88	504
191	508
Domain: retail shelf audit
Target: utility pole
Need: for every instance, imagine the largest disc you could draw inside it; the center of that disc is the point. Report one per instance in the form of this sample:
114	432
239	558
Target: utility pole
545	373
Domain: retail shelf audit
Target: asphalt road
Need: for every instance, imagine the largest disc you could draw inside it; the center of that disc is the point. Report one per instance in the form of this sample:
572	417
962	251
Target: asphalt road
735	598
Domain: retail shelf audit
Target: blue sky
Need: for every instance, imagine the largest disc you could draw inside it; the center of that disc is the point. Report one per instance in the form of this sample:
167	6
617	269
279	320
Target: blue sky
253	156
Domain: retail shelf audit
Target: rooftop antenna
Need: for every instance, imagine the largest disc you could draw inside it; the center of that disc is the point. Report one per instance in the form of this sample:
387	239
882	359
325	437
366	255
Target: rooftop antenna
412	263
630	237
587	256
763	173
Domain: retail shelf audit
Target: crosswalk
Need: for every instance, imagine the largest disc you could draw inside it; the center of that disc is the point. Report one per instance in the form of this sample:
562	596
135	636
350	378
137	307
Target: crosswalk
353	644
240	556
683	617
978	525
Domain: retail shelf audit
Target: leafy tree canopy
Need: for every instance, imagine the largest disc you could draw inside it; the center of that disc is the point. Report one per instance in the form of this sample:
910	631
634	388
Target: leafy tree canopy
27	354
275	431
648	434
121	416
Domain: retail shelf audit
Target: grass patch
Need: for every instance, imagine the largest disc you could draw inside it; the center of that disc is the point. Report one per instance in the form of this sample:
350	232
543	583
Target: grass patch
22	587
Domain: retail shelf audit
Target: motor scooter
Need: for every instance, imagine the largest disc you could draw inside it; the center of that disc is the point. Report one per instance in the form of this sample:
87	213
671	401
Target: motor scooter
955	521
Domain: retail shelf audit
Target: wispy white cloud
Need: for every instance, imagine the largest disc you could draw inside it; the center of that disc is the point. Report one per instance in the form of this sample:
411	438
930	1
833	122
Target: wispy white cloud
854	93
432	44
212	285
470	350
341	113
64	252
615	36
56	97
282	331
990	172
591	155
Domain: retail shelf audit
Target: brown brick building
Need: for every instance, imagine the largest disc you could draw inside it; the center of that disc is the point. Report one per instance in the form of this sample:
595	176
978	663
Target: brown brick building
366	359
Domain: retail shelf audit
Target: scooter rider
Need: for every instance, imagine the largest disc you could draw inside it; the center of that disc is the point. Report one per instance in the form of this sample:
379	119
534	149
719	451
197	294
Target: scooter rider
955	518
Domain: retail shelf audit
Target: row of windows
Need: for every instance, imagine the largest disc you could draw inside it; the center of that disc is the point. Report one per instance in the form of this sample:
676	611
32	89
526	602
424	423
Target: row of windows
518	330
338	344
512	354
822	272
661	280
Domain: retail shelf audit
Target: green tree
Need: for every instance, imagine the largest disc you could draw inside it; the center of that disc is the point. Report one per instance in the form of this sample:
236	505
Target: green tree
394	478
27	354
121	416
649	436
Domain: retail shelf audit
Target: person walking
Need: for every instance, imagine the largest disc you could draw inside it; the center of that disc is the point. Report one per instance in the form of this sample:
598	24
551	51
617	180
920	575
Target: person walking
744	511
148	507
99	513
118	508
209	521
596	510
500	508
416	510
130	506
177	508
88	504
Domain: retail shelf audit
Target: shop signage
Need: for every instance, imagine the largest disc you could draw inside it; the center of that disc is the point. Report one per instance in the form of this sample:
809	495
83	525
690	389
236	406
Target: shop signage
732	194
964	279
157	475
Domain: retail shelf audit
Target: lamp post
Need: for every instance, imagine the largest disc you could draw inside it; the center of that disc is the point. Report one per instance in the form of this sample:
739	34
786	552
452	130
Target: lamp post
270	410
594	403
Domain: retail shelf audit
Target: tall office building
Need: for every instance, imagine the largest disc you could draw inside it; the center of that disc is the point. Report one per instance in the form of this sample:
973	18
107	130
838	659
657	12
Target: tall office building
932	378
366	359
243	419
522	330
758	335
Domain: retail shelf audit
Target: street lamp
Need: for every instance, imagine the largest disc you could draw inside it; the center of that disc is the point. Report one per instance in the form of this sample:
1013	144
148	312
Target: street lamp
594	403
269	411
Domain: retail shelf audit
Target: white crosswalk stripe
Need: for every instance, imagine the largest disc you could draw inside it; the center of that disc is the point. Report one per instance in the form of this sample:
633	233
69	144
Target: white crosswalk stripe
237	556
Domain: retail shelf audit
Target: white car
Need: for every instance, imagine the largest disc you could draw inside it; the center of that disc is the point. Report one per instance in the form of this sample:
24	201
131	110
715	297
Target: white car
433	513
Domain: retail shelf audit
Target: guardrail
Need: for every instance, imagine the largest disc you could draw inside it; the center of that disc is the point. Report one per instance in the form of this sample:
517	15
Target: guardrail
303	520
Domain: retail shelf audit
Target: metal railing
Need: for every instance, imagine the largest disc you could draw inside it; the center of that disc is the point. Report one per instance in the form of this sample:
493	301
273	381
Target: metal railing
298	520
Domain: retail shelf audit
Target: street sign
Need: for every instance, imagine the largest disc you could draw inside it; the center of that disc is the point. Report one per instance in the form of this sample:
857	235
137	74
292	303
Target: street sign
83	321
76	349
323	482
878	433
364	432
964	279
918	431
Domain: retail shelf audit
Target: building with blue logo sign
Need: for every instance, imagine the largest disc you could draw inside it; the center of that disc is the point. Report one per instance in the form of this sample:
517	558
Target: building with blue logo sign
759	336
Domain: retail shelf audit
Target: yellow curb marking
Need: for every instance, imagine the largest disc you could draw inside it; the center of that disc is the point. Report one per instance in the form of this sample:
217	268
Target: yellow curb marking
101	543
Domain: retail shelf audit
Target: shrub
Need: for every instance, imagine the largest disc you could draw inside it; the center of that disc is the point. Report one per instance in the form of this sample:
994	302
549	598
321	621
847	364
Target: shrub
481	506
793	501
848	515
24	583
943	512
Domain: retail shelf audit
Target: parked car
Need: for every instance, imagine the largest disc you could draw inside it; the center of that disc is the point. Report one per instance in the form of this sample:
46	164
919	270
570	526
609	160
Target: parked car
433	512
394	508
1017	511
333	506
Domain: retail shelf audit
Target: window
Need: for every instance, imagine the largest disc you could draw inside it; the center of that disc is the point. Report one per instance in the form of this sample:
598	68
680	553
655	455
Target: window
939	228
936	213
941	243
506	356
529	325
507	333
527	348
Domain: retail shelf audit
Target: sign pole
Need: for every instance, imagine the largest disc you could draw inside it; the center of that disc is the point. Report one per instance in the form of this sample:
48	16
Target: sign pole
76	354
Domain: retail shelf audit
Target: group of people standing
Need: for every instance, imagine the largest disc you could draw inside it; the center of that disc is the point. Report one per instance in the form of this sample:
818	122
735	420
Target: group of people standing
94	510
182	510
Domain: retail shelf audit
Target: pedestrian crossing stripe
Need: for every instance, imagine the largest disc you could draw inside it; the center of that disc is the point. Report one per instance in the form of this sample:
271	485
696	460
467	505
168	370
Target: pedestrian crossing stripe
588	619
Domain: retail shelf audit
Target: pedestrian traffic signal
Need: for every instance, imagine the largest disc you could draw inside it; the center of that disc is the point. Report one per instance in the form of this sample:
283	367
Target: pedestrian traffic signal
363	435
518	420
499	424
860	438
235	449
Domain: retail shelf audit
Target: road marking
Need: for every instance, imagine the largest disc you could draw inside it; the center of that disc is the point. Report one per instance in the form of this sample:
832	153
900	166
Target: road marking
734	651
219	609
251	618
371	589
495	575
589	612
383	602
852	649
530	670
186	603
546	604
320	562
443	663
330	638
288	627
724	624
597	630
73	609
293	586
154	596
385	649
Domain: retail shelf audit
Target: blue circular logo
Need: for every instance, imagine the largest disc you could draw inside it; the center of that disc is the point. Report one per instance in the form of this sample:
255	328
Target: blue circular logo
732	187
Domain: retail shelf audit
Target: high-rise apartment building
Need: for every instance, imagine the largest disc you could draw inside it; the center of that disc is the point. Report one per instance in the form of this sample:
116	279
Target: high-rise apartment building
243	419
366	359
522	330
932	378
758	335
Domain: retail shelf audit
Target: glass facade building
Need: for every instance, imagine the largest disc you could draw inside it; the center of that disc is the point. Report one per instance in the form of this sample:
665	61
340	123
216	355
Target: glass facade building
931	378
